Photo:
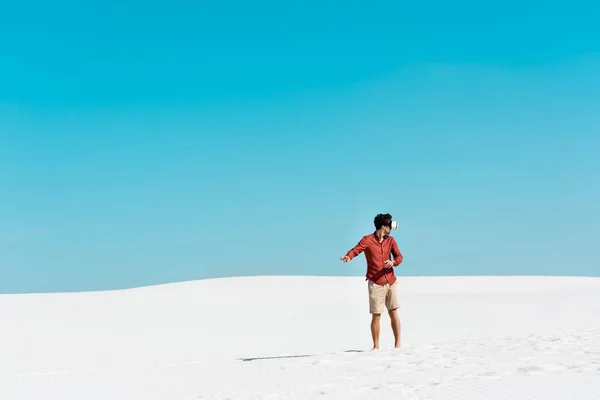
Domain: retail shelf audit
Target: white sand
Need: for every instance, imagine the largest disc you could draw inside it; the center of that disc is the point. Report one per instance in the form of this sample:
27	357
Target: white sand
305	337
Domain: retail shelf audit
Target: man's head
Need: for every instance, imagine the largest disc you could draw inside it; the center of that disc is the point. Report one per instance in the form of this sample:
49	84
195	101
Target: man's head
383	222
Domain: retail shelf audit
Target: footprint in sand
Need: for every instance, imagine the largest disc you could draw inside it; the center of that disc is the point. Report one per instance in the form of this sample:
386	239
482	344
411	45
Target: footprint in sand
532	370
538	370
489	374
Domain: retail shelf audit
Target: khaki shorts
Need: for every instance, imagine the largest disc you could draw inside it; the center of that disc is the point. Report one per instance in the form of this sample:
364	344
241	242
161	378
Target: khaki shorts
383	295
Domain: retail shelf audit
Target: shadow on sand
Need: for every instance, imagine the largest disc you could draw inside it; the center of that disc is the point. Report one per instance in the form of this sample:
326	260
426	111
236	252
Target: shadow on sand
296	356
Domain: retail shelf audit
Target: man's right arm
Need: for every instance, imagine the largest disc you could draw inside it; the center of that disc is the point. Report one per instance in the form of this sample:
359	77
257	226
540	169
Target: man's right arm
356	250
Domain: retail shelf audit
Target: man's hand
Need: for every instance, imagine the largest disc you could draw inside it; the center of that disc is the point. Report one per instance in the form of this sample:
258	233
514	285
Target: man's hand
388	264
345	259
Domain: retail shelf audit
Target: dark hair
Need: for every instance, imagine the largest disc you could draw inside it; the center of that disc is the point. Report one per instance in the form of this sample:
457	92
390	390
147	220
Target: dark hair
381	220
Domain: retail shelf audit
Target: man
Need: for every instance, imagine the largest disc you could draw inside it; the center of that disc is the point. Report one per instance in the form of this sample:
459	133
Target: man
382	285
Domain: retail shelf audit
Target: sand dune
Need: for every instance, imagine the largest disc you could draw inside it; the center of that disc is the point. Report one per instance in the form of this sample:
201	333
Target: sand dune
305	337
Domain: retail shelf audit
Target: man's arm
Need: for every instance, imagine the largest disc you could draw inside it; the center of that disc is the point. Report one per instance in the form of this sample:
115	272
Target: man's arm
356	250
396	252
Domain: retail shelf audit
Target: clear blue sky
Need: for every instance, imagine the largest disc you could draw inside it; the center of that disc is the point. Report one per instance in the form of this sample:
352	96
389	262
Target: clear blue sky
150	142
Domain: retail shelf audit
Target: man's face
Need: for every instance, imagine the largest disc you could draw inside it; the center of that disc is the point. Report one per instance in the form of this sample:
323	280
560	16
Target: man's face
387	229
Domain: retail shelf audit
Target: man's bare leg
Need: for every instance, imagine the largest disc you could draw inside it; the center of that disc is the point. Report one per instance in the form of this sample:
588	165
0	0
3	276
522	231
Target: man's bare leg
395	327
375	330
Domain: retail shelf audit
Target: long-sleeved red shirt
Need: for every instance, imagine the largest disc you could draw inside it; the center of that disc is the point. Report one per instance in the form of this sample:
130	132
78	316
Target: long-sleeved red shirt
376	254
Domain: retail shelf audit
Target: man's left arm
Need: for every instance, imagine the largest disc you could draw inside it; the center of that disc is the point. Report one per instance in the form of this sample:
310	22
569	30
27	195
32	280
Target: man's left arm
398	257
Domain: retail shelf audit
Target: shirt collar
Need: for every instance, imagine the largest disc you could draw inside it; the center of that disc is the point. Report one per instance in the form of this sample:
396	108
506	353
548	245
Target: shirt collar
377	237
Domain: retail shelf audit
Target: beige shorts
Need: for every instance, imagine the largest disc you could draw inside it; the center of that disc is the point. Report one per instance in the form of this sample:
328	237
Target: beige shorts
383	295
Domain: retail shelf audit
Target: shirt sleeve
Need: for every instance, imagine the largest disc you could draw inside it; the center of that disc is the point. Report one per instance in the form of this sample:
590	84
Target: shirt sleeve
396	252
359	248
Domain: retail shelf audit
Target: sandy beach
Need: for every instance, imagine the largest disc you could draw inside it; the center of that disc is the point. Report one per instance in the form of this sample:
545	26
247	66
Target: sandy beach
305	337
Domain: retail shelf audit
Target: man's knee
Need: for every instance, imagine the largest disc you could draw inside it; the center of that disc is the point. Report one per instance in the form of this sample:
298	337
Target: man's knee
375	317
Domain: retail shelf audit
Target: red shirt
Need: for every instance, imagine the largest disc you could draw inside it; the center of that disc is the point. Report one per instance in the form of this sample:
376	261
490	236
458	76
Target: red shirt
376	254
